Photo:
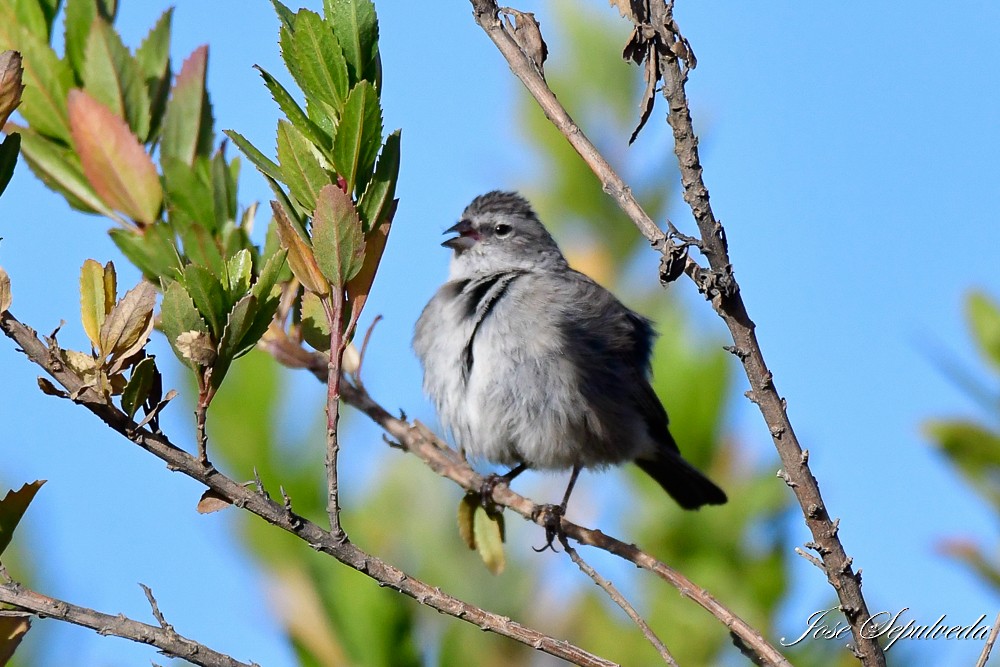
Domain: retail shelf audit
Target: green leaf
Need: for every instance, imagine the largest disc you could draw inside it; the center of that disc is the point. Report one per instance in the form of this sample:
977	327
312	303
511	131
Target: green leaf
300	254
313	324
114	162
357	28
294	112
264	290
138	387
30	16
153	58
207	293
238	322
79	17
338	241
984	320
49	8
179	315
13	507
381	189
315	59
9	148
259	160
223	188
152	250
98	293
59	168
189	191
358	138
187	123
47	79
466	513
112	77
974	449
488	529
239	269
284	13
300	166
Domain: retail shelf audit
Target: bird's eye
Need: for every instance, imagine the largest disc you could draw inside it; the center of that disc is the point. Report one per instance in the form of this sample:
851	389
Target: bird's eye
502	229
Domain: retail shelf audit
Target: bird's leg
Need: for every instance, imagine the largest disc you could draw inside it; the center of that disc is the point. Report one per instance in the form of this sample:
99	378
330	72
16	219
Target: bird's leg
554	513
491	481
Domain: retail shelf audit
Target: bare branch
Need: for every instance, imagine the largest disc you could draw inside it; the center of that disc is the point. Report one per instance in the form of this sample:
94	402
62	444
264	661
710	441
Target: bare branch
280	514
619	600
717	283
988	646
164	638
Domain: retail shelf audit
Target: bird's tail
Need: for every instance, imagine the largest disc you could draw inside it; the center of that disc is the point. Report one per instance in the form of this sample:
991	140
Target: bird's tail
685	483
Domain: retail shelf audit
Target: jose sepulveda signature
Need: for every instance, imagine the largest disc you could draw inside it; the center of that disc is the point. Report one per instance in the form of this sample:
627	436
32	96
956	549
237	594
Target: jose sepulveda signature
889	627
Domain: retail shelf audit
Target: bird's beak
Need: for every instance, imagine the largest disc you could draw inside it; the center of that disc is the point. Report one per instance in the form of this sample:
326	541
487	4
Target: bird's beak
467	236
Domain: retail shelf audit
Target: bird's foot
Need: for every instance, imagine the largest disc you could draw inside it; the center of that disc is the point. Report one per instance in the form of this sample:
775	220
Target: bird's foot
551	518
490	482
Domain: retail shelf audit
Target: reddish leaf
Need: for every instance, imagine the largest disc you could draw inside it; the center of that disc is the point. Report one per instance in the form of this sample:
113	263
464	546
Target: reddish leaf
300	255
338	241
114	161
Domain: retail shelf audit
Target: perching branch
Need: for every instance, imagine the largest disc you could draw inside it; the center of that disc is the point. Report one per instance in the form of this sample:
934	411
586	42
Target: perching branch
417	439
717	282
46	355
164	638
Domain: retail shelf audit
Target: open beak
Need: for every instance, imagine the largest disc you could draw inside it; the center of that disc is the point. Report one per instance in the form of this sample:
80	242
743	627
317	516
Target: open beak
467	236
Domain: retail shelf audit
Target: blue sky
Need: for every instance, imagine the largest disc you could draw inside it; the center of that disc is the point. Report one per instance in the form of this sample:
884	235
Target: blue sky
849	149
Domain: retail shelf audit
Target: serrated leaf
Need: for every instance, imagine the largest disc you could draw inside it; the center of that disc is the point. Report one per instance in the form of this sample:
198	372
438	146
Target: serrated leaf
129	323
153	59
984	320
208	295
30	16
113	160
313	324
263	163
5	295
466	511
239	269
315	59
488	528
178	315
138	387
188	190
284	13
11	84
79	16
357	26
151	249
47	79
94	298
13	507
359	287
112	77
358	137
381	189
59	168
268	297
201	247
9	149
238	322
300	255
223	190
300	166
294	112
338	242
187	123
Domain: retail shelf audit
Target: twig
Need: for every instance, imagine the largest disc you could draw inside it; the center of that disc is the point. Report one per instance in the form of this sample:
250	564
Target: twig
364	350
157	614
164	638
718	283
619	600
278	515
334	308
988	646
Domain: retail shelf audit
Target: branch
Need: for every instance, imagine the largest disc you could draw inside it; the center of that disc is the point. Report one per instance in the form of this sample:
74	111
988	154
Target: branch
418	440
165	638
718	284
988	646
281	515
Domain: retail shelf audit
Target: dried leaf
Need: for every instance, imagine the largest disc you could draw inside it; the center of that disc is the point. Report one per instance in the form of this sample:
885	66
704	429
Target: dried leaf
197	347
83	365
466	510
49	389
12	508
114	162
98	292
178	315
300	255
11	86
128	324
12	631
5	295
488	528
338	242
526	32
652	76
212	501
630	9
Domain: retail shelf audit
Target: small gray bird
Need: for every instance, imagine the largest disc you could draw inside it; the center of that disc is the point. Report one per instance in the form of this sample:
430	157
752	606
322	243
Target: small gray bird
531	364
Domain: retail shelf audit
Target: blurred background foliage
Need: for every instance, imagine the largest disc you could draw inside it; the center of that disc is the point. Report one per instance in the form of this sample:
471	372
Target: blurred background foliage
406	515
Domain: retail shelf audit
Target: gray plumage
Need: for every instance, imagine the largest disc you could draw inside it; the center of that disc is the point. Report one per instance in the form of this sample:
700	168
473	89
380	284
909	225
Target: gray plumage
530	362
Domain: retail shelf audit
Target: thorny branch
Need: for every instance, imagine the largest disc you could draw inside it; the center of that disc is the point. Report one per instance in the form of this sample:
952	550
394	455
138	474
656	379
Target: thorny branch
165	638
46	355
663	42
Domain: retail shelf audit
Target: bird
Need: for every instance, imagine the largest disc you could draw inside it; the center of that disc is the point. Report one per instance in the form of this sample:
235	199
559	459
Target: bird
533	365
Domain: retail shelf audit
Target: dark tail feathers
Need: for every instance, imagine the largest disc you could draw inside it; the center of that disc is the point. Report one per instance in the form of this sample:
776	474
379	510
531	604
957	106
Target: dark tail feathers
685	484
